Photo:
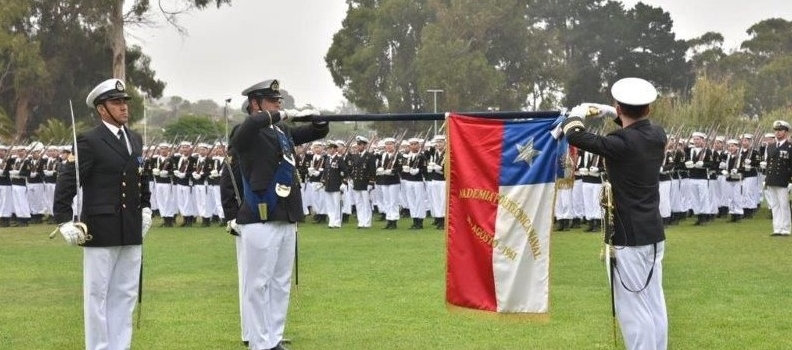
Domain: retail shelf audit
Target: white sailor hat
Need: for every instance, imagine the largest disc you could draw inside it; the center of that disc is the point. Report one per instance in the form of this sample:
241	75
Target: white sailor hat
746	136
266	89
769	135
780	125
732	142
203	145
317	143
361	139
109	89
332	144
65	148
720	138
185	143
3	147
405	143
414	140
52	147
35	146
439	138
634	92
163	145
388	140
699	134
18	148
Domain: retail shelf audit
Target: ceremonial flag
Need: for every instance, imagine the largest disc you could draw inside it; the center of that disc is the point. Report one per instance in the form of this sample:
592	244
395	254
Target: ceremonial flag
501	196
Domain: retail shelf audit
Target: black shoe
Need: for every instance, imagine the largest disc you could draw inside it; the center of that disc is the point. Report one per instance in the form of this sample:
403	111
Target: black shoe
776	235
575	223
391	225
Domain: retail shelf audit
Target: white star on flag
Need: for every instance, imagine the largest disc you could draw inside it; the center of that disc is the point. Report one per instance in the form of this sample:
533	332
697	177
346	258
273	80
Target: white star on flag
526	153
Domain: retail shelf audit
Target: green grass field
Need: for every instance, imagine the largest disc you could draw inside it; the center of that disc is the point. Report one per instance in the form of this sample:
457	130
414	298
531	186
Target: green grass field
728	286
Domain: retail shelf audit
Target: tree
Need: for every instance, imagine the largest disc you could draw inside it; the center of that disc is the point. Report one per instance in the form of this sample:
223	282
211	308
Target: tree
194	127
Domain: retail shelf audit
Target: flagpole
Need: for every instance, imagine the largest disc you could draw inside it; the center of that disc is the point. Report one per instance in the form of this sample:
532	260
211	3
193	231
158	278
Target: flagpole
432	116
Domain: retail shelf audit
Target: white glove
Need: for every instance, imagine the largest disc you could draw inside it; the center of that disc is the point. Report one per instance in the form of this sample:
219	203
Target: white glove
319	171
196	176
343	188
155	172
689	164
593	171
370	187
146	213
179	174
584	171
763	165
306	113
595	110
233	228
699	164
380	171
73	233
414	171
163	173
439	168
33	173
405	168
724	172
734	172
747	162
318	186
748	167
722	165
13	173
789	188
214	174
387	172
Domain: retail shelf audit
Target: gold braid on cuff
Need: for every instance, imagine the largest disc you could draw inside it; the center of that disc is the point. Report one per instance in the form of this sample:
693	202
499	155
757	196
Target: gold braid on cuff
573	124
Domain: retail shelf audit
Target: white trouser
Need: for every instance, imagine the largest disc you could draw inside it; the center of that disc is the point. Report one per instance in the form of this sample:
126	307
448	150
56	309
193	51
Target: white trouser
317	197
734	193
35	196
723	200
240	255
390	201
346	200
6	201
751	194
332	204
641	313
687	194
436	191
363	207
153	197
591	200
700	196
215	201
49	196
715	193
578	209
269	257
402	202
563	203
779	196
21	204
110	289
185	200
166	199
201	199
677	199
665	199
306	197
415	195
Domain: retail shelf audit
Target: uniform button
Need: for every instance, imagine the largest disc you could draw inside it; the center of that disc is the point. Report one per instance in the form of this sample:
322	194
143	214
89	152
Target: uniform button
123	195
123	206
123	183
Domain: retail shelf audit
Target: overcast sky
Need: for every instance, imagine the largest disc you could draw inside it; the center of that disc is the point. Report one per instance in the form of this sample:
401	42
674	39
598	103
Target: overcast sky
228	49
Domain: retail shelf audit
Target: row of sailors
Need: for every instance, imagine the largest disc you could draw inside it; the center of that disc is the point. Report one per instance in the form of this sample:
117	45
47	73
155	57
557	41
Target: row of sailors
184	181
720	179
392	182
27	181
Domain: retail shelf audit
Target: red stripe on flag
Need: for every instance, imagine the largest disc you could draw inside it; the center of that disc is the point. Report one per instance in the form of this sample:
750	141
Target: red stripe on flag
475	148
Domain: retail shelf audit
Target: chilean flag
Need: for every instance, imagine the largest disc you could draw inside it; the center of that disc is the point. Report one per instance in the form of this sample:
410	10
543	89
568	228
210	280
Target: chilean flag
500	213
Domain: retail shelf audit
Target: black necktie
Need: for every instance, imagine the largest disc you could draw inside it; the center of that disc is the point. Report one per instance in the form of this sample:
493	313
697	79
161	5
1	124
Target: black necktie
122	138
